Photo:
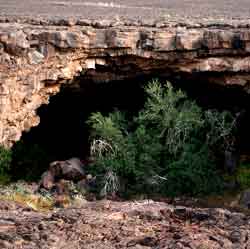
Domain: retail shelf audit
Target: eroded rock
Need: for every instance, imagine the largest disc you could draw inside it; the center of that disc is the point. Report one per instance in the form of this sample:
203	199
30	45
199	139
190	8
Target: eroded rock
37	57
108	224
71	170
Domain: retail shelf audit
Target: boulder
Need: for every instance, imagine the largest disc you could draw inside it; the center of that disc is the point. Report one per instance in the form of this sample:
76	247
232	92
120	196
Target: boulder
47	180
35	57
71	170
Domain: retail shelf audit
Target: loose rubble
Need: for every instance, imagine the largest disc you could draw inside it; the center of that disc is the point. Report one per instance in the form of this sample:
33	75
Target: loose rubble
108	224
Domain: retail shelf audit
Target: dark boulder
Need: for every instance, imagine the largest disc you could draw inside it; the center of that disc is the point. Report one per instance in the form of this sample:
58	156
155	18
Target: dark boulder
72	170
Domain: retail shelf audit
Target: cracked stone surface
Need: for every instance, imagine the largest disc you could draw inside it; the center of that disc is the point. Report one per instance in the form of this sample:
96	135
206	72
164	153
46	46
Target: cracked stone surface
107	224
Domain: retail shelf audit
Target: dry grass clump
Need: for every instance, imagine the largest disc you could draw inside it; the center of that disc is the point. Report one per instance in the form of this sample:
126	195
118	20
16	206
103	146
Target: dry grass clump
27	195
35	202
23	194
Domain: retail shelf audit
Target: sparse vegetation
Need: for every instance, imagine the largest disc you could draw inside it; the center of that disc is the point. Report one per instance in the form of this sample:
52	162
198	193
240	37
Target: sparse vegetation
21	193
242	175
168	147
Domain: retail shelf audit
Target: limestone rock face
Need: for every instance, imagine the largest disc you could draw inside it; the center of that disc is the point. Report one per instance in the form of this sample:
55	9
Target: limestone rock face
37	58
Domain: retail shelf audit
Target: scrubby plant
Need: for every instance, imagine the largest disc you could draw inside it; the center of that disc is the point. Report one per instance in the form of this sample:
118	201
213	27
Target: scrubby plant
242	176
167	147
23	193
220	130
110	184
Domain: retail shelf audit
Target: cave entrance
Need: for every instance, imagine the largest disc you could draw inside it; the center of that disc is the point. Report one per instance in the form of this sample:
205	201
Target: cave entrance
63	133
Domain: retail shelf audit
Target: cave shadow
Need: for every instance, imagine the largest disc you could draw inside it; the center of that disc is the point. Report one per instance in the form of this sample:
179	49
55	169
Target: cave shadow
63	132
231	98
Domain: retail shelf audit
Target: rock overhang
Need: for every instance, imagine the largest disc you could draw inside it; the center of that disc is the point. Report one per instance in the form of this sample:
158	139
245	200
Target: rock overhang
40	54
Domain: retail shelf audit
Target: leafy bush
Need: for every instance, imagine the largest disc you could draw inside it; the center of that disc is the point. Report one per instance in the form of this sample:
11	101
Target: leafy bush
242	176
167	147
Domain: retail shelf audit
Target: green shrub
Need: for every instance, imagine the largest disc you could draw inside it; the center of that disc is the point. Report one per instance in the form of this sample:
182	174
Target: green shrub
167	147
242	175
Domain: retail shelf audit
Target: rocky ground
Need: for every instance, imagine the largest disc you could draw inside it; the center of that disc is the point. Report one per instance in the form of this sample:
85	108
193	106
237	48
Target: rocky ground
43	47
110	224
214	11
63	214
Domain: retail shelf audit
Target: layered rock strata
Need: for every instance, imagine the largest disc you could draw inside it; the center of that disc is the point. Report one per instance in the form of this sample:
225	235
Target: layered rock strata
37	58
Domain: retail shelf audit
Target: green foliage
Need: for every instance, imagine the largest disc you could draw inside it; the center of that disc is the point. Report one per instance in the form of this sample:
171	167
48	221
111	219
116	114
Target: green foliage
242	175
174	118
193	172
5	162
219	128
166	148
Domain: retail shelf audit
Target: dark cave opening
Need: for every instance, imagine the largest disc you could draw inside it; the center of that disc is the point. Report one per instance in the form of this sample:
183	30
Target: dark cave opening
63	128
63	133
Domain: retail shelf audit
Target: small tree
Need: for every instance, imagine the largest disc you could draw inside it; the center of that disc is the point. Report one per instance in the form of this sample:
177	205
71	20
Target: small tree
166	147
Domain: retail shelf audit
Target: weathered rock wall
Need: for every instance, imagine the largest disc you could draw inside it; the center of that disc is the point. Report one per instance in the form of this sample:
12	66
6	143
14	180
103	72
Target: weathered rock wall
36	59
